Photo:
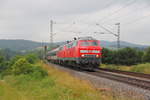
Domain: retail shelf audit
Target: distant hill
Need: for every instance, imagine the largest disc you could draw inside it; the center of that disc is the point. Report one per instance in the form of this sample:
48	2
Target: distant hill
123	44
18	45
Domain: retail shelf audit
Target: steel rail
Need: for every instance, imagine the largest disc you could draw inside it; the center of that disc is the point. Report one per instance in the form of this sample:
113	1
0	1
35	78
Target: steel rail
128	79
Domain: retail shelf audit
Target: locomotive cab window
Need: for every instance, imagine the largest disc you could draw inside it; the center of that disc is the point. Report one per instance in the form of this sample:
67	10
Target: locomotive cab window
89	43
74	43
69	45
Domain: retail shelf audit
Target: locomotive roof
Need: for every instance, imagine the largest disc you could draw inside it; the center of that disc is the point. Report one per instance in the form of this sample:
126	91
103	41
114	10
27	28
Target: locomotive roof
81	38
86	38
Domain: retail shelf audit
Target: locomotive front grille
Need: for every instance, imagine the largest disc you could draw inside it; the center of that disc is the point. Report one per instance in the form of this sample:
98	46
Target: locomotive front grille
90	56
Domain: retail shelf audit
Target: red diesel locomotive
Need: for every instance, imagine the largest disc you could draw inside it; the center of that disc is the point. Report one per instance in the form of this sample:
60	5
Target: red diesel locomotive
83	52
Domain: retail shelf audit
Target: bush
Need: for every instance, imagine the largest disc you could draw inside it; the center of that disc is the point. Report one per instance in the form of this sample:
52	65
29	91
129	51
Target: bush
141	68
3	64
31	58
125	56
107	56
146	57
21	66
128	56
38	72
14	59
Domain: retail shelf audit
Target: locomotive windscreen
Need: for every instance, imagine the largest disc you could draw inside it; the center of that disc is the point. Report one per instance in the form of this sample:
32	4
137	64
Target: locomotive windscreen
89	43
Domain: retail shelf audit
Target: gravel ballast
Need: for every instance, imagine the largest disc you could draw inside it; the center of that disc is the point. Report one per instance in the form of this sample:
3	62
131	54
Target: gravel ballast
117	88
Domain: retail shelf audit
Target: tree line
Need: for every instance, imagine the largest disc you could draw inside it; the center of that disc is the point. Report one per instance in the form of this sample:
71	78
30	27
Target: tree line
125	56
20	64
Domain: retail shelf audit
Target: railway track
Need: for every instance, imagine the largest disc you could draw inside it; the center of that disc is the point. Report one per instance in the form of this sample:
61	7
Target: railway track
140	75
131	78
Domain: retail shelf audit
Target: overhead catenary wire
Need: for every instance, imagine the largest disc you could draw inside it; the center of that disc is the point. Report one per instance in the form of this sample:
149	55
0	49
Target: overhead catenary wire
108	4
129	3
136	20
129	14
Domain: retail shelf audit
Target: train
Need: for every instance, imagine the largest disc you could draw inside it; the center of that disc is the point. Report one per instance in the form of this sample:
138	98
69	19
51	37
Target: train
82	52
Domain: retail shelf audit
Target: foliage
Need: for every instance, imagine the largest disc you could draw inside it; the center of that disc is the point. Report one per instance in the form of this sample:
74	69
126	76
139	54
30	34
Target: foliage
14	59
21	66
125	56
38	72
7	53
3	64
142	68
128	56
31	58
107	56
57	86
5	56
146	57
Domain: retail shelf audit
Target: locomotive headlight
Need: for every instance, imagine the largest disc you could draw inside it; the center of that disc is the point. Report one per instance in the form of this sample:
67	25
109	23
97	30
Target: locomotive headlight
82	55
97	56
96	51
83	51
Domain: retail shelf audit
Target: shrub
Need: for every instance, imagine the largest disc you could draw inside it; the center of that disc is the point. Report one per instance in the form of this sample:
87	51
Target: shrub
21	66
142	68
128	56
38	72
125	56
14	59
146	57
31	58
107	56
3	64
1	59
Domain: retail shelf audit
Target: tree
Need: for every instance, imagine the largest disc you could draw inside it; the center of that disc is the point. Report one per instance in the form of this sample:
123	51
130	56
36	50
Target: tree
124	56
31	58
146	57
21	66
128	56
107	56
3	64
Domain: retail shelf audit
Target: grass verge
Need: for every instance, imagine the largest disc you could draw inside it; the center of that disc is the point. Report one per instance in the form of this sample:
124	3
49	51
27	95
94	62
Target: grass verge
57	85
141	68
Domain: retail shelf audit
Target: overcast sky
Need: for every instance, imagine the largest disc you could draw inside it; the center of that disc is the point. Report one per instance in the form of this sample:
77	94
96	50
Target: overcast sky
29	19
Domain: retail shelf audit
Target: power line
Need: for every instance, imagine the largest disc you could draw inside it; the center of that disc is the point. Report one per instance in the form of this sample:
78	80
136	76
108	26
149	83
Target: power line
110	32
105	6
127	14
136	20
115	12
105	29
108	4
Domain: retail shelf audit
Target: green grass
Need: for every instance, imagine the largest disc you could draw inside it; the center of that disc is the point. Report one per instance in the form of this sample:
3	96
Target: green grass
9	93
141	68
57	85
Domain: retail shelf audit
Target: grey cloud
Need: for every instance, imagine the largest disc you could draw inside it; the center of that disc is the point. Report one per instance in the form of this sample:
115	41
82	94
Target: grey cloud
30	18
